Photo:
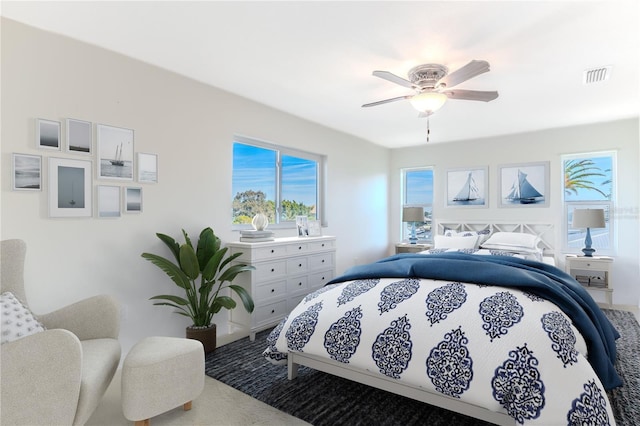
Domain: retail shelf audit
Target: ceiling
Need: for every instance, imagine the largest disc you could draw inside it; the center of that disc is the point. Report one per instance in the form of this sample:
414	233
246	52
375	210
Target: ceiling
315	59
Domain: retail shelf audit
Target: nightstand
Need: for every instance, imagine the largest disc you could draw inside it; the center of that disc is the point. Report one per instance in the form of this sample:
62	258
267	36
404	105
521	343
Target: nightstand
594	273
411	248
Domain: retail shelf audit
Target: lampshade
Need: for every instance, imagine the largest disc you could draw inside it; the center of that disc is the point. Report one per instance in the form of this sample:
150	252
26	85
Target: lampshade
428	101
588	218
413	214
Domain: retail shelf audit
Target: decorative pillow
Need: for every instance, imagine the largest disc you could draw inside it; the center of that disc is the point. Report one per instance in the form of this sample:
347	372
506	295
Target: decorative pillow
482	235
17	320
442	241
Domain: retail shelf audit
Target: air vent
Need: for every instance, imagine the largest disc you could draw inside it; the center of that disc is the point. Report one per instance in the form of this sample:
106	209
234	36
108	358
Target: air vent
596	75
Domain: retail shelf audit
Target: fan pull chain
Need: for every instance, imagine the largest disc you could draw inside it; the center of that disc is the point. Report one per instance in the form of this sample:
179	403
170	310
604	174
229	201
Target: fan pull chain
428	131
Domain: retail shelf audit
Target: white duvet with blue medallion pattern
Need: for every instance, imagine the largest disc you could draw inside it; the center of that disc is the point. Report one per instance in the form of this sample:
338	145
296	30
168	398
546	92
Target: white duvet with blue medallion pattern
502	348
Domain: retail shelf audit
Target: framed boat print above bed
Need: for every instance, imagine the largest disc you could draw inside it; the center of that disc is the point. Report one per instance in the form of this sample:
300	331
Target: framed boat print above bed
524	185
467	187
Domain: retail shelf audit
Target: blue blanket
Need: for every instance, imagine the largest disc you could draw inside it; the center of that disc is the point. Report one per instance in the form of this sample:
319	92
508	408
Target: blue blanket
537	278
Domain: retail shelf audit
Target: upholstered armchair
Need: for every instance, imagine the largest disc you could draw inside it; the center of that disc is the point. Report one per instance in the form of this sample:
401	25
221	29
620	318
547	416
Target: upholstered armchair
56	376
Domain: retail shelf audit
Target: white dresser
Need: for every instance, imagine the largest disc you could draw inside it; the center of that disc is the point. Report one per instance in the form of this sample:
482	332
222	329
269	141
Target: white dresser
287	269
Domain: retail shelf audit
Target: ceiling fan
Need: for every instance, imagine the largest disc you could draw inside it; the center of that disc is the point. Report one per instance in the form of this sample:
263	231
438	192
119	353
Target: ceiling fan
433	85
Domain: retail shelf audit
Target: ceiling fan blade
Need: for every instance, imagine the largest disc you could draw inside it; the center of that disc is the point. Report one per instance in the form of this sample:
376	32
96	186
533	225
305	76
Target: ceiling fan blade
468	71
471	95
394	79
399	98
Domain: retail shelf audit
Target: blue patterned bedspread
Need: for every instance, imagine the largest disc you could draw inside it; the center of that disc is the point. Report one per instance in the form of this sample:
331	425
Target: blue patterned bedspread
499	332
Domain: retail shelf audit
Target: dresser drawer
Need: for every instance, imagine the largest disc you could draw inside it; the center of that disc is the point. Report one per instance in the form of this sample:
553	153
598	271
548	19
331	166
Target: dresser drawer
299	284
297	265
297	248
277	289
321	261
272	252
269	271
321	245
320	279
270	313
591	265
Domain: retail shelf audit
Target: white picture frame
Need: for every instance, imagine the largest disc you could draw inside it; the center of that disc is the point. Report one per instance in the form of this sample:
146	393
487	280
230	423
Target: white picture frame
147	167
518	185
48	134
69	187
115	152
315	229
108	201
133	199
467	187
79	136
26	172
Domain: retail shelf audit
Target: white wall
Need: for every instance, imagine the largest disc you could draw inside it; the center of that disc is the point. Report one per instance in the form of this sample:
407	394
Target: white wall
191	127
548	145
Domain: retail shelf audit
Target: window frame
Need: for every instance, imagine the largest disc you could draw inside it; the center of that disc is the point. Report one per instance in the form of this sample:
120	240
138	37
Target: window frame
404	233
567	206
280	150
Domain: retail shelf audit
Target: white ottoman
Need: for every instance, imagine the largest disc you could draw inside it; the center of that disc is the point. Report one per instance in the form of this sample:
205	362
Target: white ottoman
160	374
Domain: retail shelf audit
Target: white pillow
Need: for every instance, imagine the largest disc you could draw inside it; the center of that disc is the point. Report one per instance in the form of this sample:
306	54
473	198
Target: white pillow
500	240
17	321
442	241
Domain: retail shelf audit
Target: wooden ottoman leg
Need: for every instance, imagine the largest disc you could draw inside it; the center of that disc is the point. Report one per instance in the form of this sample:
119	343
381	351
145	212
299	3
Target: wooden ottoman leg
187	405
146	422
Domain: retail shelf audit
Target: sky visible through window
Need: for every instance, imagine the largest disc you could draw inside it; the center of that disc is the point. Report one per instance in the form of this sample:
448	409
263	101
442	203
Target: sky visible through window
419	187
254	168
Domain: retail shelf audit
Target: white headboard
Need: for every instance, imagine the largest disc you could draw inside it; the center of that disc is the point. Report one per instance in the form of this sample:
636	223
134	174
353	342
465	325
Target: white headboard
542	230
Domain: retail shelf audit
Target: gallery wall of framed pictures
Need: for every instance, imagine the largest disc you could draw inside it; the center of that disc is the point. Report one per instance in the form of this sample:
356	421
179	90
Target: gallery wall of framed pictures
70	180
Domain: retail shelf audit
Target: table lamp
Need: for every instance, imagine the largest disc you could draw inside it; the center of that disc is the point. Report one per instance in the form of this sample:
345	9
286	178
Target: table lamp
413	215
588	218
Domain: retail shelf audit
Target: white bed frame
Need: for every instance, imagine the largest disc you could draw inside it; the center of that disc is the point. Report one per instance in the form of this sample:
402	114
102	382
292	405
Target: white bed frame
380	381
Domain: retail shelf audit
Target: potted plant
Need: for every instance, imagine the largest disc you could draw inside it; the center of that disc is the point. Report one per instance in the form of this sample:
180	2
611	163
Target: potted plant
202	272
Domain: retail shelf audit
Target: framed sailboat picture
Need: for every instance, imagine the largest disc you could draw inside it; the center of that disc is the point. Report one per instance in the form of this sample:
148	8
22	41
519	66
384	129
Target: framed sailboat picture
115	153
524	185
69	188
467	187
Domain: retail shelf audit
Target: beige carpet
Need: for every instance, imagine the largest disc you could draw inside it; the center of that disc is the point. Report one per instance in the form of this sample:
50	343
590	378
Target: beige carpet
218	404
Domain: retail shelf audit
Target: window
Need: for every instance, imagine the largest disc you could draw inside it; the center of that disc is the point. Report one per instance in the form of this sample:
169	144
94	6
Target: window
589	182
417	191
281	183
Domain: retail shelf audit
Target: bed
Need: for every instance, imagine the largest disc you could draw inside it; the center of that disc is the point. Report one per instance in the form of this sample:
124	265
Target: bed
488	328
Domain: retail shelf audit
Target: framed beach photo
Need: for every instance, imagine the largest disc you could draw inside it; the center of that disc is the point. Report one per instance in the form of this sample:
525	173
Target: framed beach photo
147	168
115	152
524	185
132	200
302	225
79	136
108	201
69	187
467	187
27	172
48	134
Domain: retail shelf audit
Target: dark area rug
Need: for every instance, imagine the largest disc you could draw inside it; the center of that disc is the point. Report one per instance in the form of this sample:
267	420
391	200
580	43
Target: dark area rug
322	399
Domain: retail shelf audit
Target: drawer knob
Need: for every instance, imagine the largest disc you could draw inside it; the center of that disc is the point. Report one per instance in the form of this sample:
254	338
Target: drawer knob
300	284
273	251
322	244
299	247
322	260
273	270
273	290
299	265
273	311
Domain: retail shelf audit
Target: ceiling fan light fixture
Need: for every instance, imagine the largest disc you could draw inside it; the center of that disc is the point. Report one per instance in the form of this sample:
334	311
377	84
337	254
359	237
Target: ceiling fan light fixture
428	102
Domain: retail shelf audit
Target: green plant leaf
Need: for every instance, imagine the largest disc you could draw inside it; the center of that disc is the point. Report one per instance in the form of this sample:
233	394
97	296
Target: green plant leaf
229	259
206	247
187	240
222	302
171	269
172	244
247	301
231	273
211	269
189	261
175	299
